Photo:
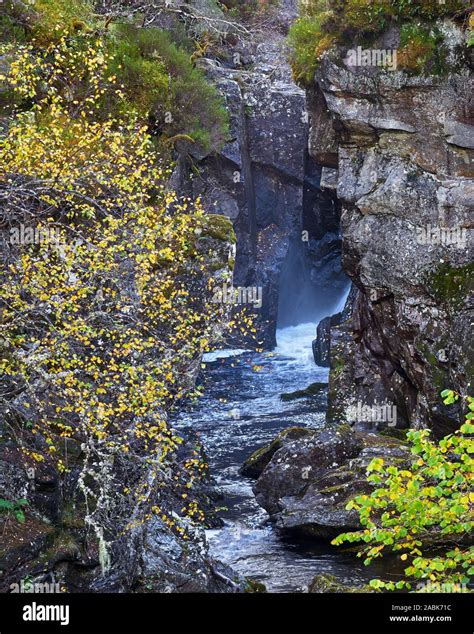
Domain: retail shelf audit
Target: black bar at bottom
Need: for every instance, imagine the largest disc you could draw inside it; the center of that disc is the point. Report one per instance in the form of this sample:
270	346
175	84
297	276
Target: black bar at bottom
238	614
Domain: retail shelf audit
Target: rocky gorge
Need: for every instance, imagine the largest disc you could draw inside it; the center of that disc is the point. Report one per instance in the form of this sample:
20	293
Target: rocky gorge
324	196
403	155
266	182
388	160
370	157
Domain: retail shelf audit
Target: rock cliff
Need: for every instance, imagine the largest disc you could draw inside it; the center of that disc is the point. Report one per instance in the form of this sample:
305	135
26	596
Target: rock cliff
265	181
397	148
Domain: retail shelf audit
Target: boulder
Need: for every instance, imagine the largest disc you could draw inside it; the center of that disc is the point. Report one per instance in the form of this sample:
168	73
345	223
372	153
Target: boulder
300	462
307	483
312	390
326	583
322	343
256	463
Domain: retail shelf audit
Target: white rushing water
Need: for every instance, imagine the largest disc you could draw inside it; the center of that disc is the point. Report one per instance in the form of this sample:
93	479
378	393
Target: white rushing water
295	343
210	357
339	307
242	410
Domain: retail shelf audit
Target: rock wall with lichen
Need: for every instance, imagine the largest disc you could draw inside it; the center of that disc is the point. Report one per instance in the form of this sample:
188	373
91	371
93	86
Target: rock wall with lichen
398	150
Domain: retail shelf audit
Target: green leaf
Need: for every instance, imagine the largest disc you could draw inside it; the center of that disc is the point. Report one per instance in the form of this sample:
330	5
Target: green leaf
20	516
5	505
376	583
408	503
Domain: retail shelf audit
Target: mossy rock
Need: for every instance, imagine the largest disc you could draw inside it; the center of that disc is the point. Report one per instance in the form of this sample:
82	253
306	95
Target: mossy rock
337	365
64	545
393	432
219	227
254	586
422	50
312	390
326	583
256	463
387	438
325	26
452	285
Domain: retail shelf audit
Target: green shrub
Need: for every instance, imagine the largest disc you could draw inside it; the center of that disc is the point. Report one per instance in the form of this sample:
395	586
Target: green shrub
142	73
368	17
10	30
45	21
159	78
414	509
307	42
325	23
428	9
421	49
160	83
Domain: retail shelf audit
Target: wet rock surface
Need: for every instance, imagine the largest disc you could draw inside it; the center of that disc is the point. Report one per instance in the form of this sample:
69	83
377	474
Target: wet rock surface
308	481
256	463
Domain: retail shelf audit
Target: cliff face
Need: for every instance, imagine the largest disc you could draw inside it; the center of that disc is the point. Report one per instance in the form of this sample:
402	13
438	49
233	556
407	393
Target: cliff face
263	179
398	150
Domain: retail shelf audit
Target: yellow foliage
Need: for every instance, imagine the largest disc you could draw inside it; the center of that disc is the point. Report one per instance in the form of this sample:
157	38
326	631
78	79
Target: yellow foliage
104	320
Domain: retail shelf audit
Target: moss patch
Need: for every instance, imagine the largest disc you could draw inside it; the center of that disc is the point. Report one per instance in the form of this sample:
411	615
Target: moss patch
311	390
393	432
328	583
452	285
326	23
422	50
219	227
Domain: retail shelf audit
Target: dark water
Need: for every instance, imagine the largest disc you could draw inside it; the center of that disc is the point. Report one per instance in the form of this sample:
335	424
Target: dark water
240	412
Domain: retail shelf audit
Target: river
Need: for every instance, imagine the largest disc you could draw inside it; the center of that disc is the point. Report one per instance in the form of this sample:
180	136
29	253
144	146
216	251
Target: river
240	411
